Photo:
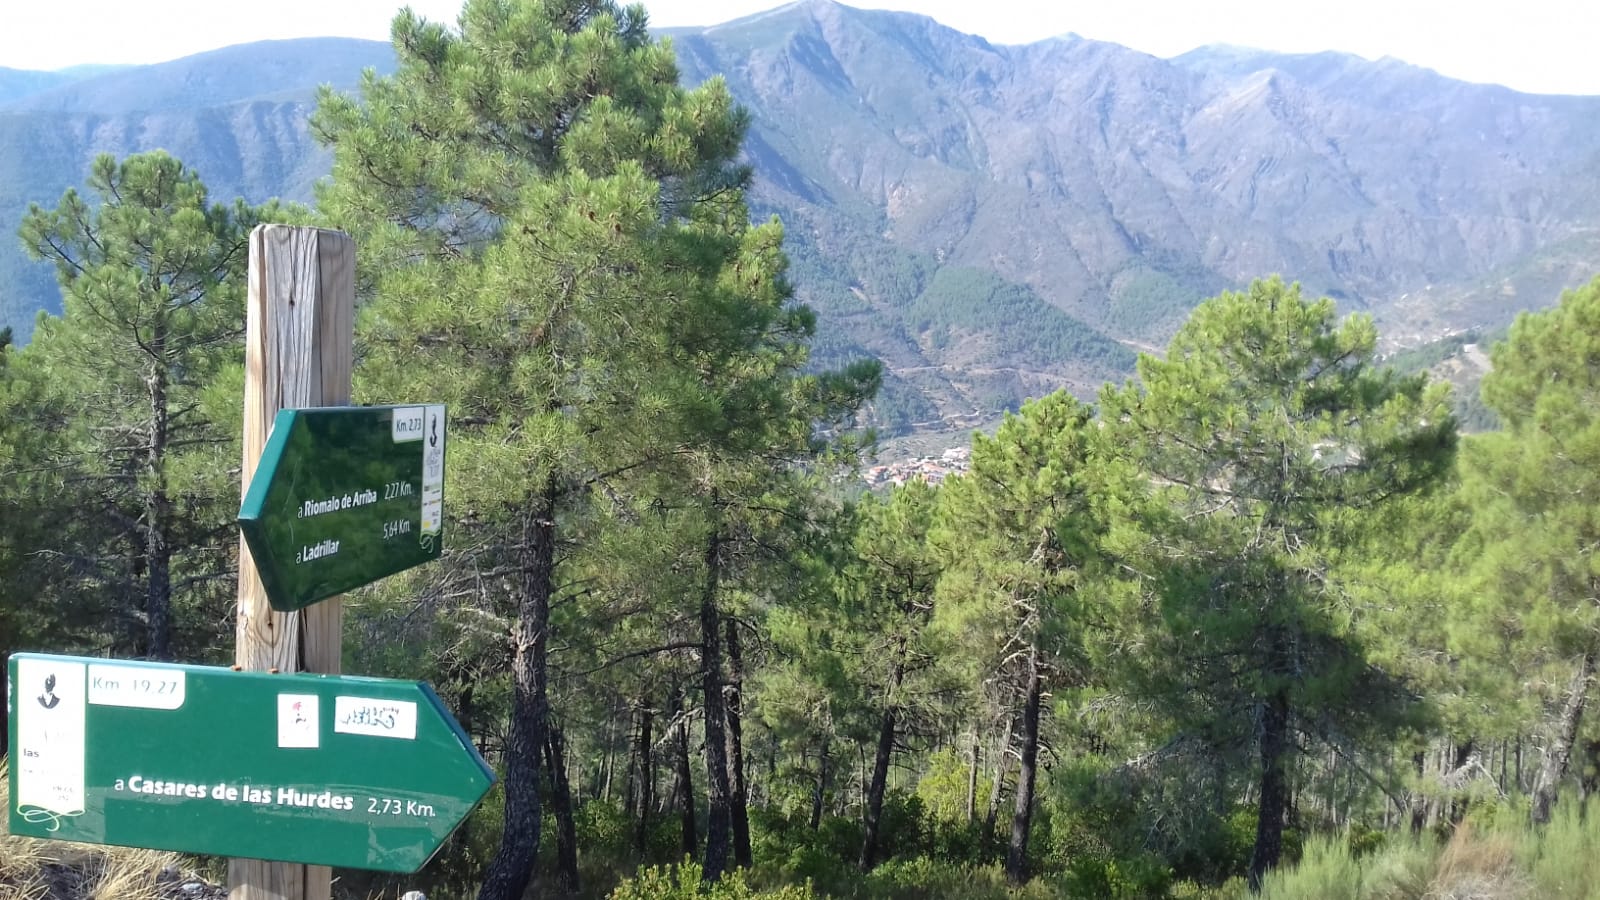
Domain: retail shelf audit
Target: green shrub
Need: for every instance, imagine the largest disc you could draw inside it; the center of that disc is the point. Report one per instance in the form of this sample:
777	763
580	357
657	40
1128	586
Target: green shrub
1563	859
905	829
1096	814
1500	814
787	850
682	882
1395	869
943	786
604	829
812	863
1326	871
1362	841
1134	878
929	879
959	842
771	833
1232	889
1402	870
663	842
840	838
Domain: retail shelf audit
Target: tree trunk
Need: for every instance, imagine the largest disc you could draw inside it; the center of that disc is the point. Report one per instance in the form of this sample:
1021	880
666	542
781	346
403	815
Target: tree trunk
772	768
880	761
1559	752
819	793
1022	816
1419	799
630	784
1271	805
972	782
632	789
685	778
719	794
1589	781
741	790
646	774
561	803
512	865
1458	800
465	710
861	779
158	506
1002	758
602	790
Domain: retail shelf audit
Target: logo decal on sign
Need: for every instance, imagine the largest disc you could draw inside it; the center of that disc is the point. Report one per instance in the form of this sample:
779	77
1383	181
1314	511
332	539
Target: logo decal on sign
297	721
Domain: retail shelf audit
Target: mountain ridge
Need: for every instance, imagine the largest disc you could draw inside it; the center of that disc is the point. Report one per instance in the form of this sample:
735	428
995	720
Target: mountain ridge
219	77
996	220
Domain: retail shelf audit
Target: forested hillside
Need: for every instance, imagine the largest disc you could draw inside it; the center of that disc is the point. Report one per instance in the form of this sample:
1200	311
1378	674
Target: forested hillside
1255	619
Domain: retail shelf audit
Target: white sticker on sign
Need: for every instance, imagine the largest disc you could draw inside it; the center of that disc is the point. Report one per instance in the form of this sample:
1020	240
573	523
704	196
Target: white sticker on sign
49	752
406	425
144	687
379	718
433	471
297	721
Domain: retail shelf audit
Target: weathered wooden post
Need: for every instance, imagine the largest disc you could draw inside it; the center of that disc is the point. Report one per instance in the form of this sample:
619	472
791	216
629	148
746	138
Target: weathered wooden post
298	346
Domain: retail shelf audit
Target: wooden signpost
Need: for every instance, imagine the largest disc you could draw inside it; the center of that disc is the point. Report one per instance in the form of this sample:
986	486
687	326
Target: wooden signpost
299	338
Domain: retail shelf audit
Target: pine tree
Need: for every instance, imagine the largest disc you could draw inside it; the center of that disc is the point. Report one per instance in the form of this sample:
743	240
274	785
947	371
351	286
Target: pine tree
1267	436
555	245
887	600
1020	543
39	610
807	695
152	278
1534	489
738	476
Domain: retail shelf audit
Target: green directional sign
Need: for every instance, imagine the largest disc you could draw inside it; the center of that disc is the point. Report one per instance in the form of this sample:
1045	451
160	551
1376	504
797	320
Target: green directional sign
365	773
344	496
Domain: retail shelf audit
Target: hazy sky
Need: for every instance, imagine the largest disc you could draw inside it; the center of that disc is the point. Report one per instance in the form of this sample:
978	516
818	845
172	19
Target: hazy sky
1547	46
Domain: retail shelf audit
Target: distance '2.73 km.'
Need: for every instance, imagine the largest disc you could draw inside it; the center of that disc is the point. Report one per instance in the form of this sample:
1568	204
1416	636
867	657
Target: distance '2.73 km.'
368	773
344	496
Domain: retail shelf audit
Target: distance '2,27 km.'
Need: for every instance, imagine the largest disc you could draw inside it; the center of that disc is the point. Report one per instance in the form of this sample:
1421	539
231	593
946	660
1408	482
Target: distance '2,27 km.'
344	496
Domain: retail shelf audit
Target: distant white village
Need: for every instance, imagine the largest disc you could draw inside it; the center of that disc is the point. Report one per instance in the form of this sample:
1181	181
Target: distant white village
932	469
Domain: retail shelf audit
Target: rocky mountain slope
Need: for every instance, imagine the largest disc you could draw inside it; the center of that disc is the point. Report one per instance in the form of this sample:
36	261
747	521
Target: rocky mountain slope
996	221
238	116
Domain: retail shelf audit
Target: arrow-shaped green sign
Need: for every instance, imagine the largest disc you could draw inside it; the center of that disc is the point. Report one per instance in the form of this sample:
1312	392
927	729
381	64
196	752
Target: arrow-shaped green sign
365	773
344	496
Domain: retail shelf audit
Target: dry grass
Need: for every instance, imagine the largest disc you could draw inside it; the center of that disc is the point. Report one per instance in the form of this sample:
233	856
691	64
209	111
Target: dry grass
33	869
22	861
1478	866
